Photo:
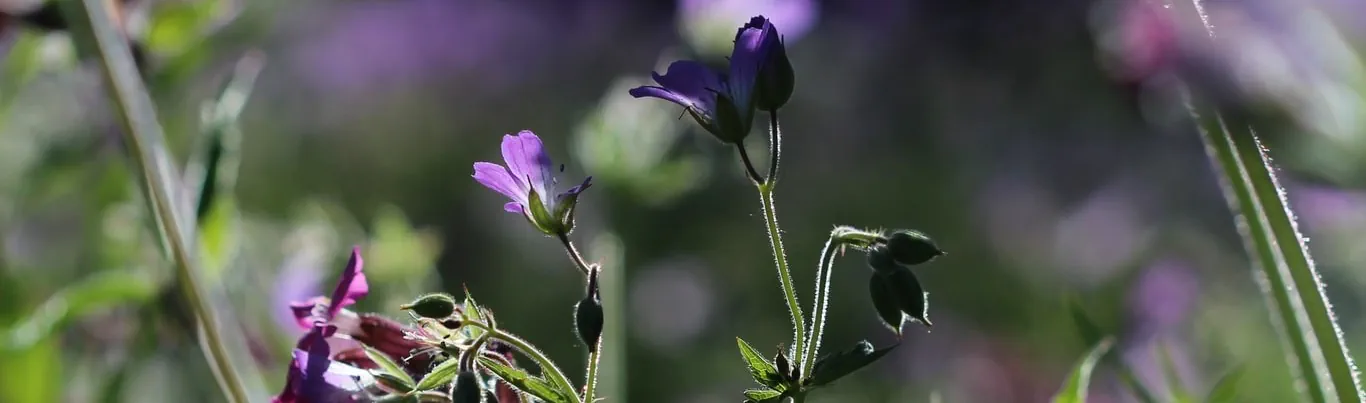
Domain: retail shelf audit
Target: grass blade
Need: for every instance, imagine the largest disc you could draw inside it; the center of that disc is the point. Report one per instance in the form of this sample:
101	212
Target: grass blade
1288	276
94	32
1074	391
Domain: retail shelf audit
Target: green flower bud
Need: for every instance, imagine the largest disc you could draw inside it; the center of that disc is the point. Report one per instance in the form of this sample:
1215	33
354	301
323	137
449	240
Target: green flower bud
886	304
910	247
881	261
435	306
910	297
783	364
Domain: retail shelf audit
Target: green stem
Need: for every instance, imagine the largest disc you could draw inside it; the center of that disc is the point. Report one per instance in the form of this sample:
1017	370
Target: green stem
749	166
143	136
548	367
824	273
1291	282
574	254
784	275
775	139
590	386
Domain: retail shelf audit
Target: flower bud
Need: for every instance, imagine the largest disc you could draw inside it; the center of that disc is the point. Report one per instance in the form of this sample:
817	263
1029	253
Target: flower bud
910	247
886	304
733	122
881	261
776	80
783	364
466	388
588	316
435	306
910	297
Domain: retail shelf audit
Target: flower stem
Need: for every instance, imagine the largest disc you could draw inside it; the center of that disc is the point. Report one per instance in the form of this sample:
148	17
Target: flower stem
591	385
548	367
775	139
749	166
94	31
574	253
826	271
784	275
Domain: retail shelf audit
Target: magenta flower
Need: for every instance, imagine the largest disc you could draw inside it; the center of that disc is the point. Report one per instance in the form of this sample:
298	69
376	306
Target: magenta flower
723	103
528	179
350	288
315	378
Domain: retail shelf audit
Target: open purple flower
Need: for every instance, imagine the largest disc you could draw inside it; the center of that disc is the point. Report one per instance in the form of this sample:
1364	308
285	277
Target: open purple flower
315	378
723	103
529	180
350	288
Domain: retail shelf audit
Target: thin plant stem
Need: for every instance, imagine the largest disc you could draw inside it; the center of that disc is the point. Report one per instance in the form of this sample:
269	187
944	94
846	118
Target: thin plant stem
590	385
574	254
824	274
144	139
774	141
749	166
784	275
548	367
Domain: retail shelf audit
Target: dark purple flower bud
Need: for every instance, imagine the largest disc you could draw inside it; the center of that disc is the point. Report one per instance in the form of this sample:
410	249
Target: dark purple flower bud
909	247
528	179
723	109
588	316
759	45
466	388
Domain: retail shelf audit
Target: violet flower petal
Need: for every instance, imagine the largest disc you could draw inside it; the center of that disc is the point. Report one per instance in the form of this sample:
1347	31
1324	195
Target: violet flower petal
535	163
514	207
496	177
587	182
688	83
305	313
753	43
352	285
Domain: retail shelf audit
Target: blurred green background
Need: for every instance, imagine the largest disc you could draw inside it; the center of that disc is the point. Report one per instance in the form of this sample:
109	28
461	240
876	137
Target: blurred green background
1042	144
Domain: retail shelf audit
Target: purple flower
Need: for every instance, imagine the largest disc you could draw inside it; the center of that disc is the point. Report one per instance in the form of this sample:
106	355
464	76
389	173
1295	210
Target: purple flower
315	378
528	179
723	103
350	288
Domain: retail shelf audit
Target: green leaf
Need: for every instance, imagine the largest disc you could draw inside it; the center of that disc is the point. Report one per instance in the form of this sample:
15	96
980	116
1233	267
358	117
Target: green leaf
521	380
100	290
839	364
392	382
387	365
762	396
1074	391
440	376
1226	390
32	374
763	371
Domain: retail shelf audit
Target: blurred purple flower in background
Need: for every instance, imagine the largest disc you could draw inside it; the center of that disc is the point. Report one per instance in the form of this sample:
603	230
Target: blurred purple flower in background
530	183
707	23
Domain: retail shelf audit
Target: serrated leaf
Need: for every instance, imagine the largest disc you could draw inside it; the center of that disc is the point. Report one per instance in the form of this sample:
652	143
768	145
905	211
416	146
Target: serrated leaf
1226	390
525	382
387	364
1074	390
440	376
100	290
763	371
762	395
839	364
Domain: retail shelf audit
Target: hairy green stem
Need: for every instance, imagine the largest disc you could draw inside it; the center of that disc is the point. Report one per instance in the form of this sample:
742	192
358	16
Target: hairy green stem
1290	281
548	367
824	273
749	165
93	26
784	275
775	139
